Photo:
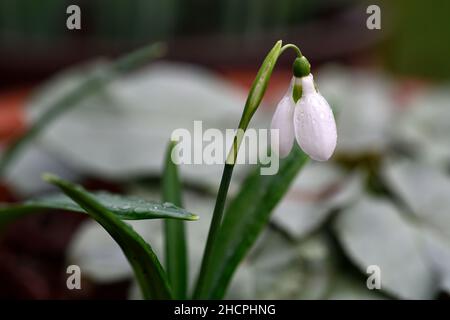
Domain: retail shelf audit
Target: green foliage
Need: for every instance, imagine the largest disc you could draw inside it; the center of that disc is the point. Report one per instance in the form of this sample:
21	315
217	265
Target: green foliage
147	269
123	207
175	238
245	218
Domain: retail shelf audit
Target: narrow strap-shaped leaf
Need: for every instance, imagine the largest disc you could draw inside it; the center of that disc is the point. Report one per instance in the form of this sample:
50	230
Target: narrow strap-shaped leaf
124	207
147	269
245	218
175	238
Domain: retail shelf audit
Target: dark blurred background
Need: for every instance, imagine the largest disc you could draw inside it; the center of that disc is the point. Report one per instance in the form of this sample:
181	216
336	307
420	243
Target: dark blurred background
35	43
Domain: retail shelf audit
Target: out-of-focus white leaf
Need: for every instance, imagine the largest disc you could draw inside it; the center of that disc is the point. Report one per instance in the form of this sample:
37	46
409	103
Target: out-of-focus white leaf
438	251
425	127
348	288
98	255
373	232
305	270
24	174
58	86
318	189
363	103
124	129
426	191
287	270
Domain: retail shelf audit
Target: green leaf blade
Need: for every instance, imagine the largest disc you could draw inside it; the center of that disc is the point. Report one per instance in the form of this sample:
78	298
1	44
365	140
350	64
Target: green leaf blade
149	272
245	218
124	207
175	235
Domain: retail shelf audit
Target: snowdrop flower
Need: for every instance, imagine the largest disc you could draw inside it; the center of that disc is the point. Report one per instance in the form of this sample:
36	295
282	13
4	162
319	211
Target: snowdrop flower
310	119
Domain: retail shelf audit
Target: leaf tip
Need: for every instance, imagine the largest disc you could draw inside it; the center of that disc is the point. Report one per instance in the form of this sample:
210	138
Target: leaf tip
173	142
194	217
50	177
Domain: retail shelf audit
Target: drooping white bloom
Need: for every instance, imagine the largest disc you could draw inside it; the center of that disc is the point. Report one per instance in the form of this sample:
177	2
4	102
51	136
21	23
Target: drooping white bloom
310	120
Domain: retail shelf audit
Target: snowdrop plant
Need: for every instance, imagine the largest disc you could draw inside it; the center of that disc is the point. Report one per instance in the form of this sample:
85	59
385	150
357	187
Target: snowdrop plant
303	113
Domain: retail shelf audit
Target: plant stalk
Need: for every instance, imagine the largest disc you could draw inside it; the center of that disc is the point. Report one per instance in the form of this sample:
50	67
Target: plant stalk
253	101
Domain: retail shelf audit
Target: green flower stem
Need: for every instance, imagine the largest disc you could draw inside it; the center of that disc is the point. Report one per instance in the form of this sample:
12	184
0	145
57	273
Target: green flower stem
294	47
254	98
214	228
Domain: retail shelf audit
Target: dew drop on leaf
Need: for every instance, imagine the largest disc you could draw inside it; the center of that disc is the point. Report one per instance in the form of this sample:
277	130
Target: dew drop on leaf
140	210
168	205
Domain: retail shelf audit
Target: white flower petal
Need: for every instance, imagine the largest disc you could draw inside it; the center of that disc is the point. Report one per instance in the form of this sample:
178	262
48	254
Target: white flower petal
314	124
282	121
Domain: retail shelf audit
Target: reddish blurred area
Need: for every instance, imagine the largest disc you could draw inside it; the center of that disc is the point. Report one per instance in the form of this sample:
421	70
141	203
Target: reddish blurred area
12	115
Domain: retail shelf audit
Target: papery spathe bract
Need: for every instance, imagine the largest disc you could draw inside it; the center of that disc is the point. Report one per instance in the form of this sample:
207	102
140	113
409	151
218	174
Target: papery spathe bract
314	124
